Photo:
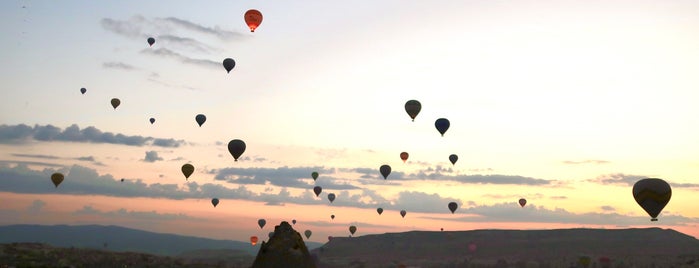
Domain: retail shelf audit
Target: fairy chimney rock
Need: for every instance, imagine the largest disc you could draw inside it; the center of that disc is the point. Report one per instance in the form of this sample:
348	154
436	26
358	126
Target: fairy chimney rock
284	249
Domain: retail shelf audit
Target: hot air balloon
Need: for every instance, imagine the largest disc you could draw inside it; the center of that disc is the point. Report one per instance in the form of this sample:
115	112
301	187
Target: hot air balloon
413	107
253	240
308	234
152	120
293	222
200	118
652	195
331	197
402	213
442	125
379	210
122	180
472	247
352	229
187	170
522	202
214	202
228	64
253	18
453	158
83	90
236	148
385	171
452	206
314	175
261	223
317	190
330	238
115	103
332	217
404	156
57	178
151	41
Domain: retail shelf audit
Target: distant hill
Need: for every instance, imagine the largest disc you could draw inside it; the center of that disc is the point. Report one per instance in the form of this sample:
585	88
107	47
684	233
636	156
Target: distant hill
546	248
121	239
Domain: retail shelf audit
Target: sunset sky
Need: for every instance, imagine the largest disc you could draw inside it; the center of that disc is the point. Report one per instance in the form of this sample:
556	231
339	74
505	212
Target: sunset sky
564	103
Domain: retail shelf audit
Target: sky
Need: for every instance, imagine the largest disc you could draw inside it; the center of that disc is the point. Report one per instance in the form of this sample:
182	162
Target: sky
564	103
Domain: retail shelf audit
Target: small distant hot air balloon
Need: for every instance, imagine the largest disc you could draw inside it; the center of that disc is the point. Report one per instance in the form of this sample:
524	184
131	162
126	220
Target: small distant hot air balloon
228	64
122	180
314	175
522	202
115	103
151	41
152	120
308	234
261	223
293	222
83	90
442	125
200	118
214	202
379	210
330	238
187	170
652	195
236	148
404	156
413	107
57	178
452	206
352	229
453	158
385	171
317	190
331	197
332	217
253	240
253	18
402	213
472	247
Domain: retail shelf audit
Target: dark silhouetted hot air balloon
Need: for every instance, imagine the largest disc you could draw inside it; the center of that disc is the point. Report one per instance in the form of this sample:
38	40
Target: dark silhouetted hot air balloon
115	103
314	175
253	240
187	170
332	217
385	171
402	213
308	234
214	202
152	120
652	195
122	180
404	156
253	18
453	158
293	222
442	125
379	210
261	223
317	190
522	202
452	206
352	229
57	178
83	90
200	118
228	64
413	107
331	197
236	148
151	41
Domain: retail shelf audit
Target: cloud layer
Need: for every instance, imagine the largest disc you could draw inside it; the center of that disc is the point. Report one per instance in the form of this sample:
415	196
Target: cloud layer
73	133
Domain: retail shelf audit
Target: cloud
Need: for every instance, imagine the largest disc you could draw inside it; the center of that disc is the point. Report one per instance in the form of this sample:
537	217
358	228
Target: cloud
117	65
589	161
152	156
216	31
41	156
607	208
187	42
296	177
132	214
166	53
73	133
30	163
36	206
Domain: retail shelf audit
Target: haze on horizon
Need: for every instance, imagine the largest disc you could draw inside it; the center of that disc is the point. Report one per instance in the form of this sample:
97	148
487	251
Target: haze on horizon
564	103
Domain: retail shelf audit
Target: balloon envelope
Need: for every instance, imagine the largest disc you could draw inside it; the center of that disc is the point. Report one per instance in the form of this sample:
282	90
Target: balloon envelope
453	158
379	210
200	118
115	102
404	156
293	221
187	170
452	206
314	175
214	202
413	107
151	41
261	223
331	197
253	240
228	64
308	233
402	213
236	148
385	171
253	18
317	190
522	202
83	90
442	125
652	195
152	120
352	229
57	178
332	217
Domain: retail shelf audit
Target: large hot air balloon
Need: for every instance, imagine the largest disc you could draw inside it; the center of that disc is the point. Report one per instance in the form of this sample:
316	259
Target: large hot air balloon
379	210
261	223
314	175
57	178
452	206
402	213
317	190
522	202
236	148
308	234
652	195
228	64
442	125
253	240
115	103
200	118
214	202
83	90
331	197
352	229
152	120
413	107
253	18
453	158
187	170
404	156
385	171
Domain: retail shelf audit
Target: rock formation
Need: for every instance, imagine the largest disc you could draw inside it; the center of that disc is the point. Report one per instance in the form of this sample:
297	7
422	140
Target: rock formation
284	249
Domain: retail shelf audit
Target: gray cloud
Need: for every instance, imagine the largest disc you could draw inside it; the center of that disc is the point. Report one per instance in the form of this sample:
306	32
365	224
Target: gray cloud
297	177
607	208
139	215
445	174
166	53
40	156
215	31
73	133
152	156
30	163
589	161
36	206
117	65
